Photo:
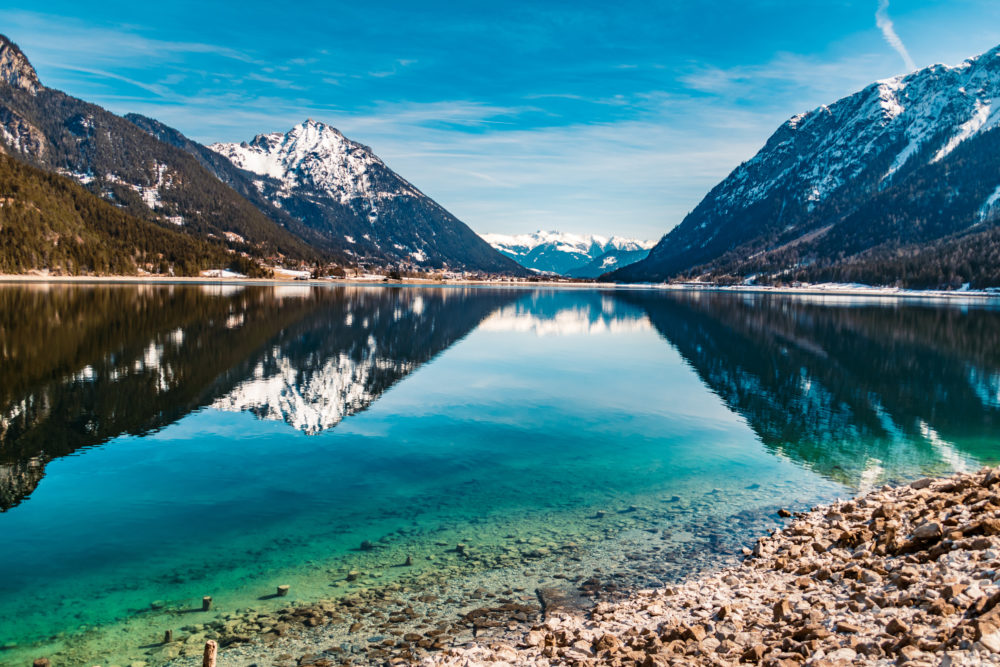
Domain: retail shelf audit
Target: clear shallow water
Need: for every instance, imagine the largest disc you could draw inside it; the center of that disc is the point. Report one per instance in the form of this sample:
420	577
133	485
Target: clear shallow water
165	443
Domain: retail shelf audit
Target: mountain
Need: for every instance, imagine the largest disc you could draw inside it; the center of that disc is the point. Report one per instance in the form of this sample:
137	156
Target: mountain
238	179
342	191
50	222
118	161
569	254
898	183
618	253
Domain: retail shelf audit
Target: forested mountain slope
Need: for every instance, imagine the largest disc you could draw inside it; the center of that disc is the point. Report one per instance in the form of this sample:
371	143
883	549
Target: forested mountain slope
49	222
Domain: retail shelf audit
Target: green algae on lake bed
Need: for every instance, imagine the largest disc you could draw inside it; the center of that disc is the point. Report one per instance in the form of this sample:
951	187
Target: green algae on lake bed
179	442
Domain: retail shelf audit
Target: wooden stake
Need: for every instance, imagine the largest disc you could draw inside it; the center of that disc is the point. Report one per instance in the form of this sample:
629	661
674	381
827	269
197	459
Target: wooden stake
206	603
168	636
283	590
211	648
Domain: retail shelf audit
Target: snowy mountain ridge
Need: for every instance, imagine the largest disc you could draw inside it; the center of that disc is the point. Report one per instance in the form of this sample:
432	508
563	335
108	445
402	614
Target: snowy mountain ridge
576	255
928	112
817	182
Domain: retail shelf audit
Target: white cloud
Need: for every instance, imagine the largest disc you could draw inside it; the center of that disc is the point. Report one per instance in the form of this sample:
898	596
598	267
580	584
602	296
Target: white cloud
884	24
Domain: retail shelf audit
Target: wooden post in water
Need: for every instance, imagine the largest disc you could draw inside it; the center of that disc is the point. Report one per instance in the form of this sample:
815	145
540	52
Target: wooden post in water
206	603
211	648
283	590
168	636
41	662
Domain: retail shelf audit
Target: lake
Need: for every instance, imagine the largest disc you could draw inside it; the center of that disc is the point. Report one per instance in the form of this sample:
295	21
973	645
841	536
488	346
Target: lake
161	443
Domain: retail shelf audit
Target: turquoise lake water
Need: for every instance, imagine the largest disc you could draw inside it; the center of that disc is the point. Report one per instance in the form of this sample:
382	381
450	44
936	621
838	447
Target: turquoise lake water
161	443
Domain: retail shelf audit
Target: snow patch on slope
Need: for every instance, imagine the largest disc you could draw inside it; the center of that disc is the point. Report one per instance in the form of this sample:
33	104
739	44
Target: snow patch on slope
990	207
982	119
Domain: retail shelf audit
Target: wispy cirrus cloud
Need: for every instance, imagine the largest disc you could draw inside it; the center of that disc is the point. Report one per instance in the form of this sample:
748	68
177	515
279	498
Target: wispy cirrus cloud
884	24
788	78
60	41
156	89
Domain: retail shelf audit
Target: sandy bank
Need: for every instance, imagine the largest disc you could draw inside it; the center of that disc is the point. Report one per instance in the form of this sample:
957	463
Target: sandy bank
902	575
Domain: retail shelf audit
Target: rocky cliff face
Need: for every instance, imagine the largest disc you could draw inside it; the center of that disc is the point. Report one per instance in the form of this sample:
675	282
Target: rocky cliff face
15	68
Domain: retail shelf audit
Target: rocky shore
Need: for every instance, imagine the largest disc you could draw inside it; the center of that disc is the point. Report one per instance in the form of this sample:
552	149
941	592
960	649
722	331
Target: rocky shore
904	576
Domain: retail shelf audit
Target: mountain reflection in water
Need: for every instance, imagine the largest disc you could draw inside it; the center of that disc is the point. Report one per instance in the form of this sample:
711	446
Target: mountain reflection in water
130	360
859	392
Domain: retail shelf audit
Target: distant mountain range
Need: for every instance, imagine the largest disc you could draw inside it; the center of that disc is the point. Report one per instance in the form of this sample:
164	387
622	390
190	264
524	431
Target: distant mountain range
898	183
308	196
570	254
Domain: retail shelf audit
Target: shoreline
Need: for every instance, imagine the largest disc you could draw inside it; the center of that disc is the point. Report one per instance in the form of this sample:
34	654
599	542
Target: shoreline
906	575
826	290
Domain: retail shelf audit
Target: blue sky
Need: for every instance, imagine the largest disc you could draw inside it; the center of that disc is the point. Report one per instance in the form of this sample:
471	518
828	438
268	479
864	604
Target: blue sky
589	117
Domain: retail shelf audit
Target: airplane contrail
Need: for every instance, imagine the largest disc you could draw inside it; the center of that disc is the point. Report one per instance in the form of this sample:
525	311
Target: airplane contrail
884	23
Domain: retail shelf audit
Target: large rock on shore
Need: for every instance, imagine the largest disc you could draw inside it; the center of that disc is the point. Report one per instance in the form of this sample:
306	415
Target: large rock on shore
903	576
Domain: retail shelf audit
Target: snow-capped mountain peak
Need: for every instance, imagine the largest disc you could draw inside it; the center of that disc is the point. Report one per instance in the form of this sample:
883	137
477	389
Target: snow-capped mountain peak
564	240
626	244
354	203
528	242
316	156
